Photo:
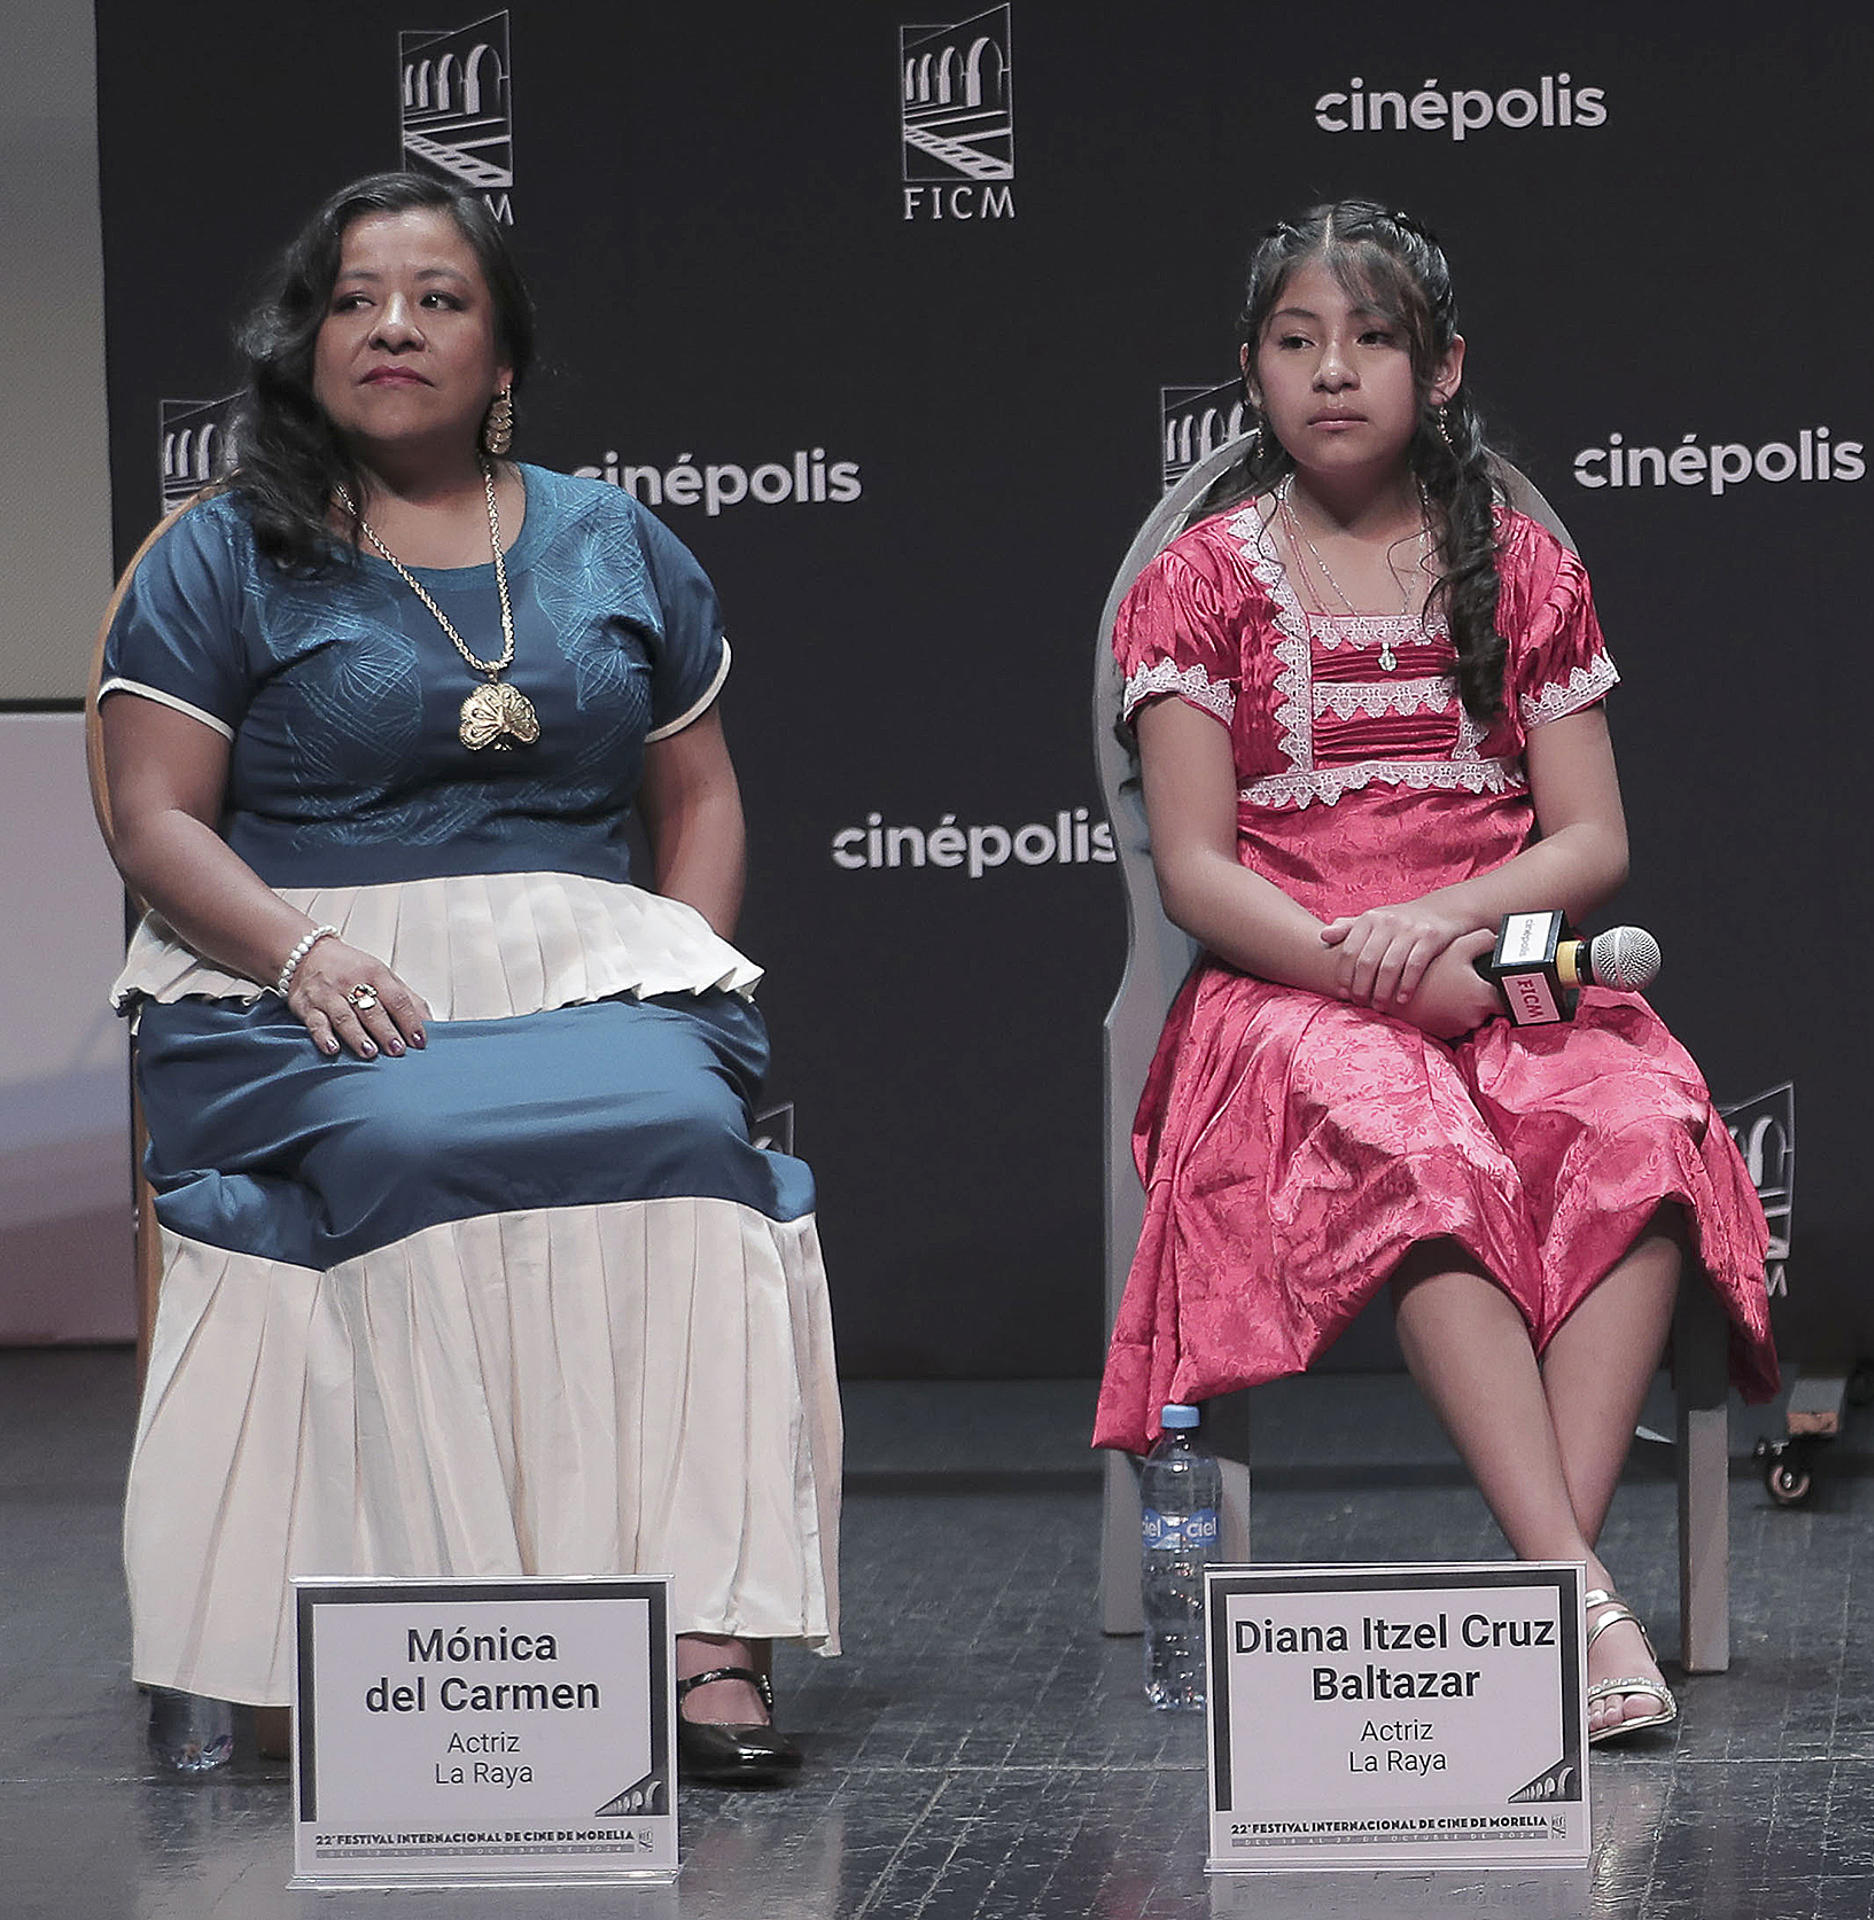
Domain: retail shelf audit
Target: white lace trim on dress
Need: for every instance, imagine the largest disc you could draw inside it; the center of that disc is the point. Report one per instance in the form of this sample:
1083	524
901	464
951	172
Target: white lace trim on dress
1301	700
1376	698
1367	631
1327	784
1582	688
480	946
1189	683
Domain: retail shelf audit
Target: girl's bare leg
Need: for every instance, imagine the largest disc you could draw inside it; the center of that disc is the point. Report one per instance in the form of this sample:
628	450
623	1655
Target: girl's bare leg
1595	1374
1468	1348
1602	1359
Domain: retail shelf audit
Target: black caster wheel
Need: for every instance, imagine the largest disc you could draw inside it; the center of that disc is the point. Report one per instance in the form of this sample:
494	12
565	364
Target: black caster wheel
1787	1475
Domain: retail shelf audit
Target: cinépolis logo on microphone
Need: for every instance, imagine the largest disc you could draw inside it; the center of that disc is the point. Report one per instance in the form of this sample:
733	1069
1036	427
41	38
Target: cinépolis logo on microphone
457	109
1718	466
1457	112
956	118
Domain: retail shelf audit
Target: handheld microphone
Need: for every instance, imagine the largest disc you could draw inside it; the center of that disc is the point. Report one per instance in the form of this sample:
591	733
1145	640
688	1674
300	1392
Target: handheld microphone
1538	966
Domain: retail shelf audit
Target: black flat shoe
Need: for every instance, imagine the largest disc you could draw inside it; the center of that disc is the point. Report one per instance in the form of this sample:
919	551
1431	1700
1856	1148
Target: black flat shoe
725	1755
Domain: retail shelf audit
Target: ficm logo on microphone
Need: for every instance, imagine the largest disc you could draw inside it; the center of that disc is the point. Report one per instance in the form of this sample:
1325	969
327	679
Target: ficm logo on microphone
1459	112
1719	465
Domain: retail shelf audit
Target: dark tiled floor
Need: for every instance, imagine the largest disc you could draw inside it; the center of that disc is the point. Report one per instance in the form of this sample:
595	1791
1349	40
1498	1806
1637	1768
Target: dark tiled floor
982	1750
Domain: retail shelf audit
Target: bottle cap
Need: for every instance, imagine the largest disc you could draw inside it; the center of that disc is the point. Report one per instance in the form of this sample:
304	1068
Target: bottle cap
1176	1416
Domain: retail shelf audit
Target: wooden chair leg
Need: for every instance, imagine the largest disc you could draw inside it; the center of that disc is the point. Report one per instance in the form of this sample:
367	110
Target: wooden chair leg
1122	1609
1700	1337
149	1242
1226	1421
1233	1520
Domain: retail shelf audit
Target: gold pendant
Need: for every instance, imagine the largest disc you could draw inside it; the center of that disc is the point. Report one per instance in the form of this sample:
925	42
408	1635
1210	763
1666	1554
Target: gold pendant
491	714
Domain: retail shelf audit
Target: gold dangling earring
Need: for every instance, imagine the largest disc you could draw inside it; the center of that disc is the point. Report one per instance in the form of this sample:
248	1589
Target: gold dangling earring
498	424
1441	420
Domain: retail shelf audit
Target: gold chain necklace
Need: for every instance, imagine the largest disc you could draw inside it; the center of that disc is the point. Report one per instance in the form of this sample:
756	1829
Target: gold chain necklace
497	715
1291	522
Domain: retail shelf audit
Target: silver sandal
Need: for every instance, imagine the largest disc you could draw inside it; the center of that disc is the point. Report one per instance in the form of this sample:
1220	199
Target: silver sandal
1613	1611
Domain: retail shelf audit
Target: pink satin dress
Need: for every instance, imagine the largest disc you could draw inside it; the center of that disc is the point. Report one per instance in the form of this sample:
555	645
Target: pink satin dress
1294	1147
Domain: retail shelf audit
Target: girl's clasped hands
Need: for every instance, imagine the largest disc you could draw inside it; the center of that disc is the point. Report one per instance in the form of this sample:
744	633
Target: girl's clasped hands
1415	961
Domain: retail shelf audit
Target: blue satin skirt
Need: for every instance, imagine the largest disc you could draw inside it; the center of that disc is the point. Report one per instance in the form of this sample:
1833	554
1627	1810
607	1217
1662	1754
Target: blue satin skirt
259	1144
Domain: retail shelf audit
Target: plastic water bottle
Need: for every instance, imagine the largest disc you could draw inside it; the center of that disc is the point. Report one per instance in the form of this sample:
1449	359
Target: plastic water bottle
1180	1490
190	1733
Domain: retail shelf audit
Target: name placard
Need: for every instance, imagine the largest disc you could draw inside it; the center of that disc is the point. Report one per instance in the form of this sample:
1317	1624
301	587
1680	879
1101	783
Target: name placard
1398	1716
477	1732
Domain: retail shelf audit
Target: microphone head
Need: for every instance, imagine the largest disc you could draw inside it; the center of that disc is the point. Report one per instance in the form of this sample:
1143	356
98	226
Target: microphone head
1624	957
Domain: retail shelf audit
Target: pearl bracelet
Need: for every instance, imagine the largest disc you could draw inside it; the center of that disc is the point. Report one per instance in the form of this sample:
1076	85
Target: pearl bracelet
297	955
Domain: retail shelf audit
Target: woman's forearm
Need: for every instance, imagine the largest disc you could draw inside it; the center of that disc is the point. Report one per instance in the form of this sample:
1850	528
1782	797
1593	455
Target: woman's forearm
166	774
692	809
701	857
209	894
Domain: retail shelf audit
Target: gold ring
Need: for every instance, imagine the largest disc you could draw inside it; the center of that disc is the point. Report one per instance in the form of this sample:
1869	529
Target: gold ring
363	998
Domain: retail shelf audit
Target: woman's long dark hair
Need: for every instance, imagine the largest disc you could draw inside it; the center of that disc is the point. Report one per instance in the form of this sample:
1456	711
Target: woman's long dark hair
1388	261
287	461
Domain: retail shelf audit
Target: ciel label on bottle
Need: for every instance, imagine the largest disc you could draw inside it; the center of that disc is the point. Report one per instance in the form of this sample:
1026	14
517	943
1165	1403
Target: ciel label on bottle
1174	1530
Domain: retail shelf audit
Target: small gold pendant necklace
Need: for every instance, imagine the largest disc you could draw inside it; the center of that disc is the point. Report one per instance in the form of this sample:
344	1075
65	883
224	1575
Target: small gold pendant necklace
497	715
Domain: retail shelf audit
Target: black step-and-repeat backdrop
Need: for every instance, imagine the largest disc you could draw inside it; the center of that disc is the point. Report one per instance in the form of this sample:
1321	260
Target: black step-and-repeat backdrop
903	324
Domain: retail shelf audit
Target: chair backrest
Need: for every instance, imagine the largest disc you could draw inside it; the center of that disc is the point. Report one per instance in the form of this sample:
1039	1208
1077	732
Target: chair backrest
149	1254
1158	954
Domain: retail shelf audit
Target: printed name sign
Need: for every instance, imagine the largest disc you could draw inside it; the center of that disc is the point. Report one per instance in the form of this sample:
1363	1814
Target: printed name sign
1396	1717
476	1732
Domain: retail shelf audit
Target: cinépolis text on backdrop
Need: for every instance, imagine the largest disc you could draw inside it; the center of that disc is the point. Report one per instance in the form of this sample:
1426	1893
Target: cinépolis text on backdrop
1072	839
1554	101
1814	454
808	478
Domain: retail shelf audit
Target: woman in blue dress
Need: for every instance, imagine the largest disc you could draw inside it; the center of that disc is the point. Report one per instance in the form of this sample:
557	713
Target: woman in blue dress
470	1266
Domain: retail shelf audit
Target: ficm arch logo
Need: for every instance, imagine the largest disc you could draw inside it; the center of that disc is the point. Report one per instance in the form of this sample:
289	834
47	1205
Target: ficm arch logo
193	435
957	118
1195	421
456	112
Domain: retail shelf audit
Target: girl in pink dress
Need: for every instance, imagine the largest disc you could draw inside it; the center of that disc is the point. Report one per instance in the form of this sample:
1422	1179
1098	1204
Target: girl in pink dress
1367	698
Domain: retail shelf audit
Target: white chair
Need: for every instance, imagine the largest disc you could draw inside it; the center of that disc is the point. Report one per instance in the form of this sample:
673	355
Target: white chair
1158	957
